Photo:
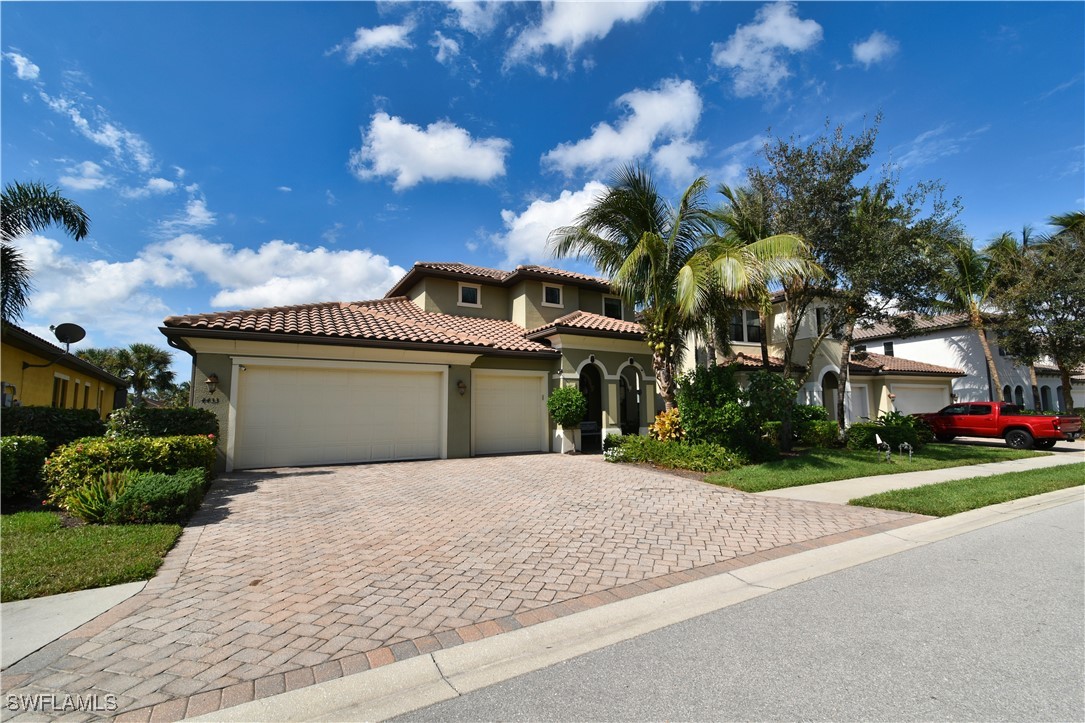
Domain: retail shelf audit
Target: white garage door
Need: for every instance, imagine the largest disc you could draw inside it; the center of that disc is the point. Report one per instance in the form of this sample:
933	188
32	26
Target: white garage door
290	416
916	398
509	413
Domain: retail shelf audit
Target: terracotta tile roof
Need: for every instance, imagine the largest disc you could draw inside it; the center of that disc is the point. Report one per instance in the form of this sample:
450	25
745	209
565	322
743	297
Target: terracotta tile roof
458	268
391	320
585	321
560	274
752	361
870	363
483	274
922	323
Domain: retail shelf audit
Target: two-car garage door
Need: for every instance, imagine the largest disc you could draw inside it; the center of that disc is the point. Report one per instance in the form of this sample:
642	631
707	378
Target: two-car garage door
303	415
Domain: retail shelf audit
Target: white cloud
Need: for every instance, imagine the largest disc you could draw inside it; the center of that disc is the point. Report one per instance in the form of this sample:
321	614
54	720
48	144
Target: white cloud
447	48
375	41
154	187
124	144
937	143
525	234
875	49
284	189
755	51
658	121
278	273
569	25
85	176
477	18
196	215
439	152
24	69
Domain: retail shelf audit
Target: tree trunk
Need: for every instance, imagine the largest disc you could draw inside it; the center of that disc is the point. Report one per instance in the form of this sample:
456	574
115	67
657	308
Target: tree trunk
845	368
763	320
1067	393
977	324
662	367
710	346
1036	404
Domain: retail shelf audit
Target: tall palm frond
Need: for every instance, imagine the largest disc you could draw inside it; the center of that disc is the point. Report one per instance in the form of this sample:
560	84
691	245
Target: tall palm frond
15	286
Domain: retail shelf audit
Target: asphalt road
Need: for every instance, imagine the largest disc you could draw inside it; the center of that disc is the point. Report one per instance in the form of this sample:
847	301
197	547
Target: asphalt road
989	625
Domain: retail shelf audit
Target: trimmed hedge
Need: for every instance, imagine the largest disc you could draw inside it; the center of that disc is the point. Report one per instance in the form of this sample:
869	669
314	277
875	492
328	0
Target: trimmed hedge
861	435
818	433
21	461
56	426
700	457
154	498
132	422
75	464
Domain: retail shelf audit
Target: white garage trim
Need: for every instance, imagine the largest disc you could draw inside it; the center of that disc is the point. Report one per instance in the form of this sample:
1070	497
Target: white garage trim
918	396
540	416
240	364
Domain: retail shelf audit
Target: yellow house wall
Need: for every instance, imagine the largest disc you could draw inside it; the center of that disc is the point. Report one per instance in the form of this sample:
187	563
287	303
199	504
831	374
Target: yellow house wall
34	386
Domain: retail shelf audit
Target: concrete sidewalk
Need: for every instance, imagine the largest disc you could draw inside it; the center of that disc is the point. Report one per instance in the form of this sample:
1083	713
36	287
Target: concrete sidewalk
842	491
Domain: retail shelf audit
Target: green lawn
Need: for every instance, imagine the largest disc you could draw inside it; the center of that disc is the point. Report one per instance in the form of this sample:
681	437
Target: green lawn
41	557
949	498
826	465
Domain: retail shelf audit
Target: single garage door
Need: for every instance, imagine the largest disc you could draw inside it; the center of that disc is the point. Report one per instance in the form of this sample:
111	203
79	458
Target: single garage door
290	416
917	398
509	413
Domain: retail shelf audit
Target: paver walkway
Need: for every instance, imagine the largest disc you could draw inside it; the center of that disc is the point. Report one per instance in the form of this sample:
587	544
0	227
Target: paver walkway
294	576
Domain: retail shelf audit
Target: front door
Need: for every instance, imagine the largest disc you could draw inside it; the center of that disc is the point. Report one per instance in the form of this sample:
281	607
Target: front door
591	429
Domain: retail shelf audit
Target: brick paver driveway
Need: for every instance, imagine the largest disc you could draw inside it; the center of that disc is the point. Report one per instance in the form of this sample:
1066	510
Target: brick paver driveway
294	576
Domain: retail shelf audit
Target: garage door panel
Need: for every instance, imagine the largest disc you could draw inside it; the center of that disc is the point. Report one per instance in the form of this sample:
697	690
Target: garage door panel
917	398
509	414
299	416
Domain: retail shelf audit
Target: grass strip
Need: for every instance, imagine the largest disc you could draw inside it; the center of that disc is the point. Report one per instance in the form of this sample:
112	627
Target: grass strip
949	498
828	465
41	557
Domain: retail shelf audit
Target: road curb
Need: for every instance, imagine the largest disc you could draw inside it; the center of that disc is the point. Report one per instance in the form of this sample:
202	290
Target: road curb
421	681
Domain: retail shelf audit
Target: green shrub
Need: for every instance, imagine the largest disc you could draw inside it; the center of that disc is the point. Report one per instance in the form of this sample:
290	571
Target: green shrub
703	395
809	413
818	433
567	406
861	435
92	500
770	432
170	422
700	457
667	427
56	426
154	498
770	397
21	461
86	459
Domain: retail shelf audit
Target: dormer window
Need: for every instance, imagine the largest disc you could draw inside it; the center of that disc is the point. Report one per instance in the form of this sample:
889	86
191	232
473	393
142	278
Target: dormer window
887	348
612	307
470	295
552	295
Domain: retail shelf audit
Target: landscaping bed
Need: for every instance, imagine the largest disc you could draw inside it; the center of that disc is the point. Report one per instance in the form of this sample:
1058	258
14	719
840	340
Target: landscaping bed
950	498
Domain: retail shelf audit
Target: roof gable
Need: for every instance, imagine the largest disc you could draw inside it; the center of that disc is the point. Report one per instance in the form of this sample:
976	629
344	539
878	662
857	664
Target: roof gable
481	274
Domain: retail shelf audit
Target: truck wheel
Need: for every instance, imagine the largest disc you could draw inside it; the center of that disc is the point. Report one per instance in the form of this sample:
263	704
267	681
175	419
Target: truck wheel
1045	443
945	437
1019	439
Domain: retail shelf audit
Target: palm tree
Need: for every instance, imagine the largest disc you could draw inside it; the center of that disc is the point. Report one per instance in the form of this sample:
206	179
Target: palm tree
968	283
1010	260
642	243
143	367
25	208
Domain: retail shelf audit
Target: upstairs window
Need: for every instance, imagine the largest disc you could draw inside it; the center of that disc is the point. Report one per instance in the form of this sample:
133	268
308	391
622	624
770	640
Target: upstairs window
887	348
822	319
470	295
612	307
745	326
552	295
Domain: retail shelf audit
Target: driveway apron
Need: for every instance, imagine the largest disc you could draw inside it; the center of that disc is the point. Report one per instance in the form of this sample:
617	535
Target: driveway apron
290	577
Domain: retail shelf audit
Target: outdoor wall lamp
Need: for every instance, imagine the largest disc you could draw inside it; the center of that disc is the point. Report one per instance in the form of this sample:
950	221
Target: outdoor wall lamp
591	358
461	387
212	383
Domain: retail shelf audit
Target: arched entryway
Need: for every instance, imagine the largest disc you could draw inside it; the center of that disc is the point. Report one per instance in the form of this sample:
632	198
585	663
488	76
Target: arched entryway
1019	395
830	387
1045	398
629	400
591	386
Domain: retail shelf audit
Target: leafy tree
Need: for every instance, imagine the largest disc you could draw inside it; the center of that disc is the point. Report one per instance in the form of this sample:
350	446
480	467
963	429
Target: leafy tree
1044	312
25	208
143	367
1011	258
634	236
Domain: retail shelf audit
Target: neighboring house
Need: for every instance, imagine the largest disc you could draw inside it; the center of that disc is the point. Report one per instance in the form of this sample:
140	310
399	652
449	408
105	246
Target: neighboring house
877	383
454	361
39	374
948	339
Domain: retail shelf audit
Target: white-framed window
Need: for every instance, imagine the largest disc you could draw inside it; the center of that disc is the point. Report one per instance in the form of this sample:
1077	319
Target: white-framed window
470	295
887	348
612	307
746	326
60	390
86	396
552	296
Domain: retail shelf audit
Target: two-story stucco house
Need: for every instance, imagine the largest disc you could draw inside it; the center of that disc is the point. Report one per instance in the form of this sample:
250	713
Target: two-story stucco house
949	339
877	382
454	361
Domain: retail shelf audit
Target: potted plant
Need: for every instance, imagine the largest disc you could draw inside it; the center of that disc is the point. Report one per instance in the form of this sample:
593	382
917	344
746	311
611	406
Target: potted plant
568	407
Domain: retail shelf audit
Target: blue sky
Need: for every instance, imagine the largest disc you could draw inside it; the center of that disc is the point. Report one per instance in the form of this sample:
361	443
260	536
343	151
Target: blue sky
235	155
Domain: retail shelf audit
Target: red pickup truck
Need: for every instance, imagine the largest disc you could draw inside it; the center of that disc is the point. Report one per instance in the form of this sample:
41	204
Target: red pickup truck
1002	419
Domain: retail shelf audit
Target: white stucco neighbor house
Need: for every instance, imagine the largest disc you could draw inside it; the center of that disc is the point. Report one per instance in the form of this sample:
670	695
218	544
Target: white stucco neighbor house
948	339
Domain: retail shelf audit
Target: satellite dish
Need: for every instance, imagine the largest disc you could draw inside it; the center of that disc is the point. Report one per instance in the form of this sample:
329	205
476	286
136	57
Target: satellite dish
68	334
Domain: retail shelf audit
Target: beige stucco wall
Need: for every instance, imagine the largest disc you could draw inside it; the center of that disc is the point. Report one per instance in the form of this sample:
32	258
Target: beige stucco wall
442	296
